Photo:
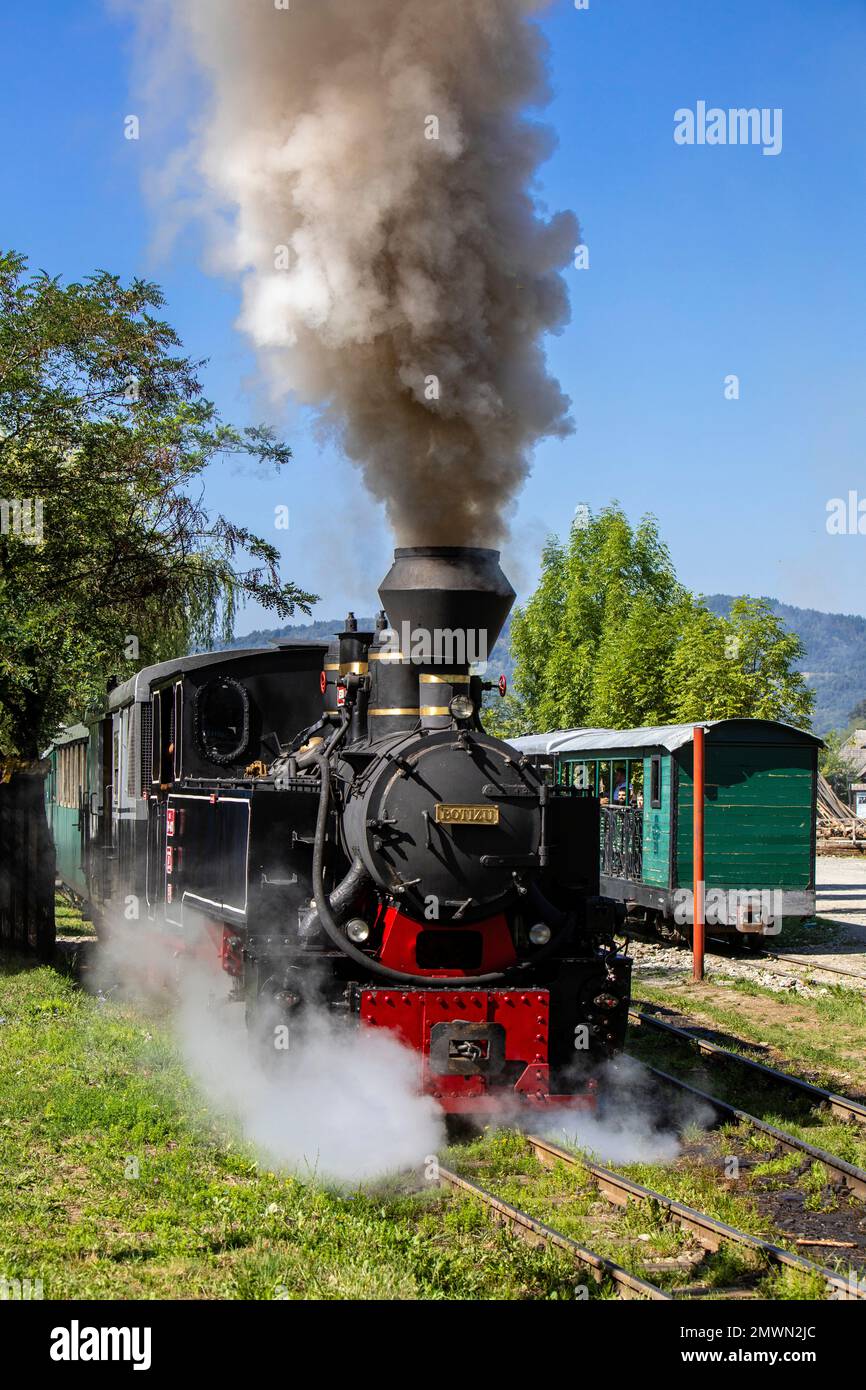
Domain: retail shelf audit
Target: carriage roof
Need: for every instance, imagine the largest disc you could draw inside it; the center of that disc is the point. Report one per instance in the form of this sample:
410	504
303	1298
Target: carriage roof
667	737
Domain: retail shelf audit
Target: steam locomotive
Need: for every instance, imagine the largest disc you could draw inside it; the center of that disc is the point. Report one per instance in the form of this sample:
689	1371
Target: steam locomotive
334	824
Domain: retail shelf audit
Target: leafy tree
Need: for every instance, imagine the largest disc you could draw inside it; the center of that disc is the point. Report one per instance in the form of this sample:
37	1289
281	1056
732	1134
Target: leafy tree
739	667
104	435
834	765
569	670
611	639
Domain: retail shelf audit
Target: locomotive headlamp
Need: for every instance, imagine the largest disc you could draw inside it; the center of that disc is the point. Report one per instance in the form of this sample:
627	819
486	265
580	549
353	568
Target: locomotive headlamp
462	707
357	930
539	935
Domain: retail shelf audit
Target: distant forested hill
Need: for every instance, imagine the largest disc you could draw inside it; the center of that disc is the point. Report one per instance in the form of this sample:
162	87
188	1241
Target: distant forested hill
835	664
835	643
299	632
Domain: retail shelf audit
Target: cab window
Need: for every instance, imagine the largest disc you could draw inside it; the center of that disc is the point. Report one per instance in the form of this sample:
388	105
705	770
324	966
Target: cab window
222	720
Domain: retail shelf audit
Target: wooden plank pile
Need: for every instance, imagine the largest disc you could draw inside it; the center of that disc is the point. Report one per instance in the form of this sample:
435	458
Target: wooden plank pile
839	831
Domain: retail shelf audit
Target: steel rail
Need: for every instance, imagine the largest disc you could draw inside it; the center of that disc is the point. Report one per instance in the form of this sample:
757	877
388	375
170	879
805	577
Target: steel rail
709	1230
853	1177
843	1106
628	1286
813	964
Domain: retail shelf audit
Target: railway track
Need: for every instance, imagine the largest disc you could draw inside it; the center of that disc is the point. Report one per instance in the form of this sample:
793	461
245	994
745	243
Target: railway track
842	1106
627	1286
620	1191
854	1178
709	1231
859	975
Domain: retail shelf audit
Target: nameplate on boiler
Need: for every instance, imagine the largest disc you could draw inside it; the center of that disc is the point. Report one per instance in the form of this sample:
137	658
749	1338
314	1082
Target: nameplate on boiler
466	815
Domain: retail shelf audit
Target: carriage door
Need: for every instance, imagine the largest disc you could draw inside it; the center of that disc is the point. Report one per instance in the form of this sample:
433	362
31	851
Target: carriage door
107	818
85	830
100	800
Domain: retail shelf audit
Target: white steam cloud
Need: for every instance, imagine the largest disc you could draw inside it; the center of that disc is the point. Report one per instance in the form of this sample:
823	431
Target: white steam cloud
633	1126
341	1106
367	168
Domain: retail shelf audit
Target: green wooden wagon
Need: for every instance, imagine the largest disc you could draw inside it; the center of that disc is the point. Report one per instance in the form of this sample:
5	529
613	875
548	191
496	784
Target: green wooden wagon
760	813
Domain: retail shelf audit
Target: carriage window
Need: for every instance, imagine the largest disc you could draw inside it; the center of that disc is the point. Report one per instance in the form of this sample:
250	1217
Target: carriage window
619	793
635	790
118	755
69	775
222	720
155	740
162	736
656	781
604	782
131	754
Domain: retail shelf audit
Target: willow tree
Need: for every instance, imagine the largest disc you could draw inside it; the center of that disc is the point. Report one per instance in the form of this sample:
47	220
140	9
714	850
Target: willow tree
108	556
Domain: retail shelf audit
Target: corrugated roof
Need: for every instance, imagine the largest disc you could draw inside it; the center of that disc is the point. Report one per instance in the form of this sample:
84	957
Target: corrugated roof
72	733
667	736
670	736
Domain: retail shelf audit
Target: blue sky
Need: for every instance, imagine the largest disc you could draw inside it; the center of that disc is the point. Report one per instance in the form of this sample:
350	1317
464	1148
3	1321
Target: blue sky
704	262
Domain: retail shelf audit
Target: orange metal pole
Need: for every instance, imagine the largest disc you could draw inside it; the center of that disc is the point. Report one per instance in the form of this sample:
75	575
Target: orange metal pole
698	856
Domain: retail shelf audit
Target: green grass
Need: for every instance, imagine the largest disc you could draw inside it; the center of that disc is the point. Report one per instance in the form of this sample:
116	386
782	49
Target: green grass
822	1039
118	1183
748	1092
69	919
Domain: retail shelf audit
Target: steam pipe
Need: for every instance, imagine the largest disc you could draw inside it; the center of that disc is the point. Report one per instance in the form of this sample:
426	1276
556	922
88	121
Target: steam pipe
342	895
324	750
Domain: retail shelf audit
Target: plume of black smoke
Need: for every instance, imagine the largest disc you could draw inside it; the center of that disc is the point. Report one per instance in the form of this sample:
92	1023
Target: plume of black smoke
377	167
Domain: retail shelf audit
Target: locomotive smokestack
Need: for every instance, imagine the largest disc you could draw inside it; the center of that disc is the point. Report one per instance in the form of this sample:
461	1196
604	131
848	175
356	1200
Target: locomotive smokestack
446	606
454	597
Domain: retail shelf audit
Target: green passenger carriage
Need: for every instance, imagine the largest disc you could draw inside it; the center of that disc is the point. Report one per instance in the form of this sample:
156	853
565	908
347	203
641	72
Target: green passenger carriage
66	803
760	814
